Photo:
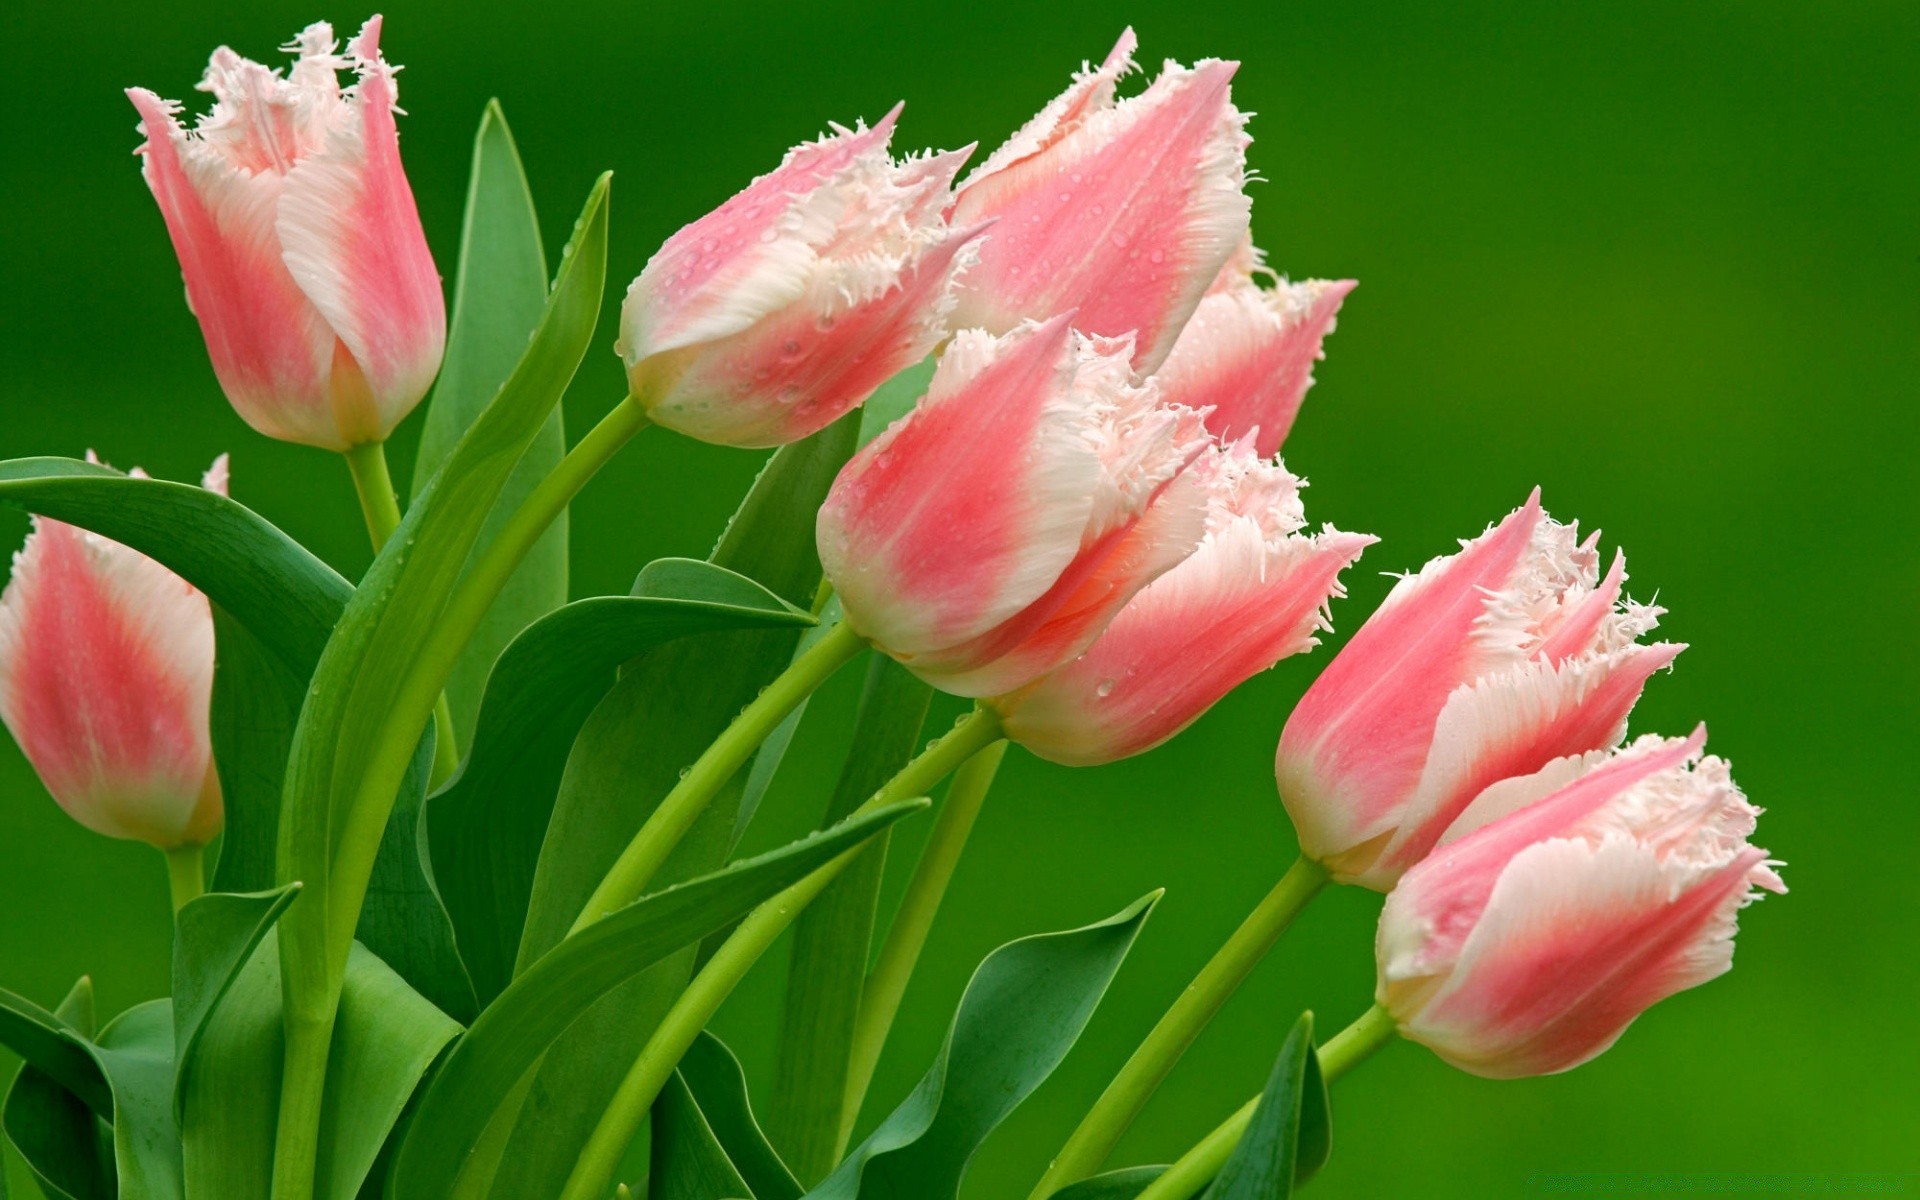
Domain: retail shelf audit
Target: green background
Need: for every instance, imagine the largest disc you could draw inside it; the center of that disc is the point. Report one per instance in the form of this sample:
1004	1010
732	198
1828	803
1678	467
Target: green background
1659	258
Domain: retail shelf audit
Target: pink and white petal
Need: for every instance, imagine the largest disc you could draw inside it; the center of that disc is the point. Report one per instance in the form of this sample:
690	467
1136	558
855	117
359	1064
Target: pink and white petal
1576	628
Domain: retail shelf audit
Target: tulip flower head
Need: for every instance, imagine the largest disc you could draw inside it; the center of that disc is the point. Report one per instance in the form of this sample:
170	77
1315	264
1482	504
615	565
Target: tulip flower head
786	307
106	672
1253	592
1247	355
989	536
1124	210
1565	903
297	233
1486	664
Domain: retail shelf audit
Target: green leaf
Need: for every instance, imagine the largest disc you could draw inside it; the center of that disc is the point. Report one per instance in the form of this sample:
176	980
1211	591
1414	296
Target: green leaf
664	711
67	1148
485	826
256	701
369	702
717	1084
1021	1013
833	937
213	937
509	1037
385	1039
135	1052
687	1162
51	1045
1287	1139
499	293
1123	1184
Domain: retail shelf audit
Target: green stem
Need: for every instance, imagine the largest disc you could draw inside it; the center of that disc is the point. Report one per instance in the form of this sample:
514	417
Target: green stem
593	1174
887	983
682	806
1100	1130
380	505
296	1142
1197	1167
186	873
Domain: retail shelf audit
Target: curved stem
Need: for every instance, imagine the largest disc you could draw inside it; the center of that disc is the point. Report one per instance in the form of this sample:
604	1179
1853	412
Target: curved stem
1100	1130
593	1174
682	806
1197	1167
887	983
186	873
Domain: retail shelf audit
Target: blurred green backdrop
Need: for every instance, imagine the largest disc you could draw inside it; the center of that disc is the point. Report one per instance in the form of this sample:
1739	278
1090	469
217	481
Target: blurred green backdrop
1659	258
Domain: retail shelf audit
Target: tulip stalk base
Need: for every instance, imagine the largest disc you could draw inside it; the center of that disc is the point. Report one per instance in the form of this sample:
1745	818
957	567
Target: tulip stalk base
186	874
593	1174
1100	1130
1197	1167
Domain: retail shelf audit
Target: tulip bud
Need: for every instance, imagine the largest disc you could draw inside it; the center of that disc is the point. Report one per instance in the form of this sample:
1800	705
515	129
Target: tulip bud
1122	209
784	308
1484	665
1248	353
1254	592
106	671
989	535
1567	902
298	237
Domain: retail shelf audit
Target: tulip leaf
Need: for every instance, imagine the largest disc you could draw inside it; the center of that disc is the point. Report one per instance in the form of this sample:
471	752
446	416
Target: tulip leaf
718	1086
1287	1139
371	698
256	701
832	939
213	937
48	1044
385	1038
68	1149
485	825
499	293
1021	1012
665	710
135	1052
511	1034
1123	1184
686	1161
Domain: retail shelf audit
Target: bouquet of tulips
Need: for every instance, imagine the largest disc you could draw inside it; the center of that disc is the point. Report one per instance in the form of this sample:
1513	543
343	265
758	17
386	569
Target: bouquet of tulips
453	858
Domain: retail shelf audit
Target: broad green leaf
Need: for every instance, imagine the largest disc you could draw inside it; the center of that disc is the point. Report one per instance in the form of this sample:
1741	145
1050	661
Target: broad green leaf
256	701
485	825
1021	1012
213	937
833	937
66	1147
499	292
50	1045
687	1161
369	704
718	1085
385	1039
135	1052
1123	1184
1287	1139
664	711
509	1037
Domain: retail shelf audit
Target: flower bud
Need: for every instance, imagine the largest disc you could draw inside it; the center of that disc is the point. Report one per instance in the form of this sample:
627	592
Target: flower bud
106	672
990	535
1486	664
784	308
1252	593
1248	353
1122	209
1565	903
297	233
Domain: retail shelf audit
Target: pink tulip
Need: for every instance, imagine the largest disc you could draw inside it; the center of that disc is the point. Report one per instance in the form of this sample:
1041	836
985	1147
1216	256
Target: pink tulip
106	670
299	240
1254	592
988	536
1567	902
1248	352
785	307
1122	209
1484	665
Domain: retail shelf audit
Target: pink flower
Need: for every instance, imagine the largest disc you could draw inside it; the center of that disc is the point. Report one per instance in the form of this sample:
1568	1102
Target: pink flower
1254	592
1122	209
299	240
785	307
106	670
1248	352
1566	902
1484	665
988	536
